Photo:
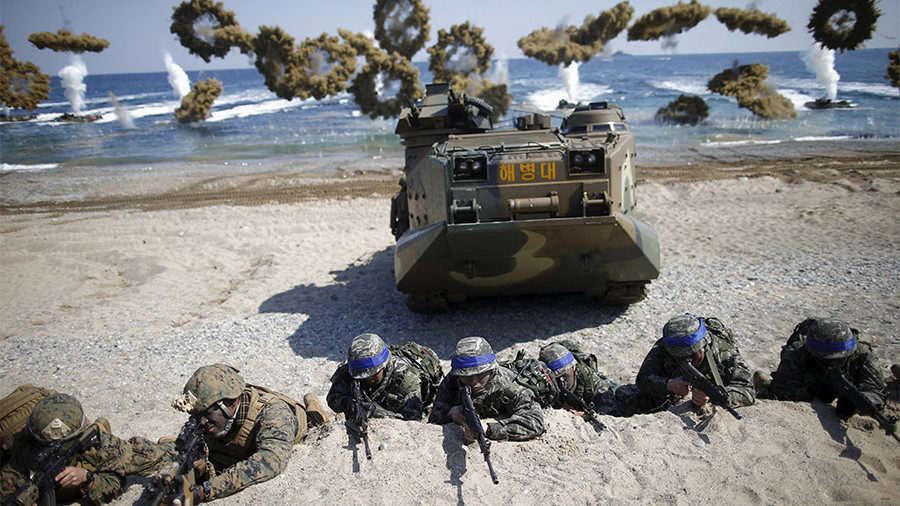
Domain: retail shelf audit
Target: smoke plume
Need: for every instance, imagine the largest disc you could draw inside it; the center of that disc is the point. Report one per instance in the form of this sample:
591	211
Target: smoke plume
126	120
569	75
179	80
72	77
821	61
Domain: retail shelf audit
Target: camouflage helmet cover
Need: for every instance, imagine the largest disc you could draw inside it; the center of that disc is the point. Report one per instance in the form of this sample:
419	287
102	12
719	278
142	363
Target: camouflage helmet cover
558	359
828	338
473	355
367	356
210	384
57	417
684	335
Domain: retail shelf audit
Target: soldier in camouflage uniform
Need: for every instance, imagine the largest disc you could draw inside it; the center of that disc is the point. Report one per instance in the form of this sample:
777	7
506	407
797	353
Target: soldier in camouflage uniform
710	346
95	476
494	393
802	373
249	430
391	386
601	394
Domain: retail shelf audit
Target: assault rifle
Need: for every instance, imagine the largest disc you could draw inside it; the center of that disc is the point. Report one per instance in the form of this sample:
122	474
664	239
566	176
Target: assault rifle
51	461
175	487
474	423
697	380
361	417
573	400
840	382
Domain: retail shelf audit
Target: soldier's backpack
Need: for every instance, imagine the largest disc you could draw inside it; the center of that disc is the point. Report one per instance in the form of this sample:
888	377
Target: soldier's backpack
15	409
428	364
534	375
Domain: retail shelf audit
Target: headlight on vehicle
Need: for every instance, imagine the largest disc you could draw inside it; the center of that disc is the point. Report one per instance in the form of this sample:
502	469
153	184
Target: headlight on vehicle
470	168
586	162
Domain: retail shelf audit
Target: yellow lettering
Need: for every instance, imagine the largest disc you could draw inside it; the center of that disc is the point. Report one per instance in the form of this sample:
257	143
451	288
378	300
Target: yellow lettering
527	171
548	170
507	173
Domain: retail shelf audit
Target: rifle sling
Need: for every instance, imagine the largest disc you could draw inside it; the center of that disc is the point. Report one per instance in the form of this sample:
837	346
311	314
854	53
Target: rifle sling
714	369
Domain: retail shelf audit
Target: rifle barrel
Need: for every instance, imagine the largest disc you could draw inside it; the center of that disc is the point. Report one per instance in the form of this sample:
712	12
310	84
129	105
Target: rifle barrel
474	422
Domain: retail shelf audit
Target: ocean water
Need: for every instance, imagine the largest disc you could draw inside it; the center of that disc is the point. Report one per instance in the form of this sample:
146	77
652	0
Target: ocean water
250	126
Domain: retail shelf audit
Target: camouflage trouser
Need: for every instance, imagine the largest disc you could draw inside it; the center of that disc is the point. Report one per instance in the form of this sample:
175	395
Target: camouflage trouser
624	401
144	457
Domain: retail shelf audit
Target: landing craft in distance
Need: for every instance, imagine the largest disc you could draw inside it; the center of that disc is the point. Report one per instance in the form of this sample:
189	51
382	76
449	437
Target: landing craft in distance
825	103
535	210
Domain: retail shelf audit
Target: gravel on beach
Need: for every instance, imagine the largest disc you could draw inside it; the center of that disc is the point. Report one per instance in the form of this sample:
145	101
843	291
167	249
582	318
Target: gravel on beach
119	304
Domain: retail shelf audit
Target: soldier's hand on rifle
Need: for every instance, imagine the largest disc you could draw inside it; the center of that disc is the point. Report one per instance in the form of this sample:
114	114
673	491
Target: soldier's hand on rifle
72	477
457	414
698	397
573	410
470	434
678	386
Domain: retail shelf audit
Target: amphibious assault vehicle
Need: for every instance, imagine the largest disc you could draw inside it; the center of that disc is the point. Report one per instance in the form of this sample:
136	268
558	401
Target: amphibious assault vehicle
535	210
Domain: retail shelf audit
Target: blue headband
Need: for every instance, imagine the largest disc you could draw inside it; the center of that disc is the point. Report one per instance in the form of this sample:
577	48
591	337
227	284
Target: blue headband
468	362
561	362
825	347
369	362
679	342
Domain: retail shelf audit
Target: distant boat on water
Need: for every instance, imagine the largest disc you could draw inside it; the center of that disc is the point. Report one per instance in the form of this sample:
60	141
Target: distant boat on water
824	103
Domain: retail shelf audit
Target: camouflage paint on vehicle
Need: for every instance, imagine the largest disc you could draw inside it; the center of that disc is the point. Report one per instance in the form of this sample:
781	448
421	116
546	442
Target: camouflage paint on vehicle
525	211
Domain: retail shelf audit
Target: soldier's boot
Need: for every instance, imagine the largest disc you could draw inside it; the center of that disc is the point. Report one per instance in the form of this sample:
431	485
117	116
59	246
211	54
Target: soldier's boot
315	414
761	380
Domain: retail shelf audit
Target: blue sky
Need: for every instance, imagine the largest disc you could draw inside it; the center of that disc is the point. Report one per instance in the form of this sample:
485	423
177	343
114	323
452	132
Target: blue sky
138	31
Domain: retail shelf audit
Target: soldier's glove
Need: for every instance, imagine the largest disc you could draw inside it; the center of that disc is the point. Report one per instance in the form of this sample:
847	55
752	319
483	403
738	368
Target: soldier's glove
845	408
821	391
200	492
26	494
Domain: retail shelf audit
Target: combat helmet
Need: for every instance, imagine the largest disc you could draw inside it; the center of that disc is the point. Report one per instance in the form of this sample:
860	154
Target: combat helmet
473	355
829	339
558	359
367	356
208	385
684	335
57	417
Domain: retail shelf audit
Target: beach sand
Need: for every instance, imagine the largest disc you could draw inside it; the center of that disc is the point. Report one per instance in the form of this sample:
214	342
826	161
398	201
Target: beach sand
117	292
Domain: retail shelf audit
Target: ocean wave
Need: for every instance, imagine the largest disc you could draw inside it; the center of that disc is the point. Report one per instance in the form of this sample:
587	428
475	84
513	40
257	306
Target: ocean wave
823	138
692	86
745	142
548	99
9	167
797	97
245	110
883	90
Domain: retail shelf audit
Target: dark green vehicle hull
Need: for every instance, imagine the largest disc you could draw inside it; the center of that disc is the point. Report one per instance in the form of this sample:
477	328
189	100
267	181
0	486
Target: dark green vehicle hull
540	256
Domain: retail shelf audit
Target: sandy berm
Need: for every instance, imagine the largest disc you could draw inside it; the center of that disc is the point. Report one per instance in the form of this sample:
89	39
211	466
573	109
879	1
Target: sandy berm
118	295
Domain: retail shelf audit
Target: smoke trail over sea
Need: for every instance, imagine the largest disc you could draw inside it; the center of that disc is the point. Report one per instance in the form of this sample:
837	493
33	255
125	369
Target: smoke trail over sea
178	79
72	77
821	61
569	75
